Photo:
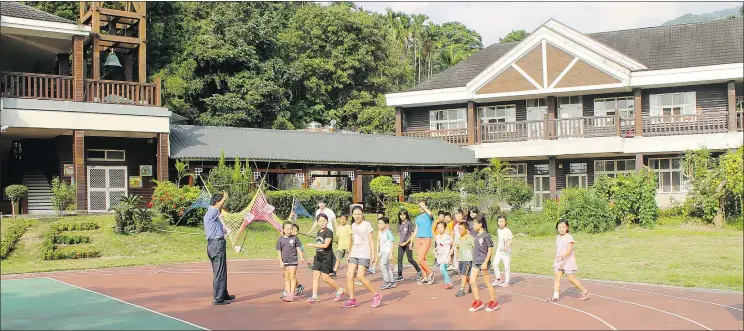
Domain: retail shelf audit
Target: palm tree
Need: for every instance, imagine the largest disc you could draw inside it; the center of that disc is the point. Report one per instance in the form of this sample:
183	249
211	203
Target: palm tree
418	27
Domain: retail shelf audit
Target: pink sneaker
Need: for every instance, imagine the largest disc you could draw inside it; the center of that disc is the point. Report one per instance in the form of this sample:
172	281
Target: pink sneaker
339	295
289	298
376	300
351	303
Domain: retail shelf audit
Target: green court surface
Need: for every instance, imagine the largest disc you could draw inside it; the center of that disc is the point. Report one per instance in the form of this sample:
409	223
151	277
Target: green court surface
47	304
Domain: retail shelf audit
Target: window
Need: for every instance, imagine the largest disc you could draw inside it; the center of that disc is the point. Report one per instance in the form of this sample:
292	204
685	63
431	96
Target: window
541	185
611	168
518	171
498	114
577	175
536	111
610	106
447	119
106	155
669	171
673	104
570	106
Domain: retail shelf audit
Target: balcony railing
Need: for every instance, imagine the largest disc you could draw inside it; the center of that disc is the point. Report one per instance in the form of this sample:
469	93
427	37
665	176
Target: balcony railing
513	131
36	86
713	122
589	127
55	87
456	136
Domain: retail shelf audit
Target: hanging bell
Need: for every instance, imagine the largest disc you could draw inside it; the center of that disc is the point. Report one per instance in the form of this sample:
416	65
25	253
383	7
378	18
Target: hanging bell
112	60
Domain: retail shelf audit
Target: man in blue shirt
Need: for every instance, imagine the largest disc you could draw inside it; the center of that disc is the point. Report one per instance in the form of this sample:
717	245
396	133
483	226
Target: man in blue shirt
216	249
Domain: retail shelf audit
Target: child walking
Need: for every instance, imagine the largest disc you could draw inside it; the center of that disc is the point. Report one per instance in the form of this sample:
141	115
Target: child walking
503	253
288	250
296	229
323	263
361	255
385	253
565	262
481	261
443	252
464	252
343	233
406	231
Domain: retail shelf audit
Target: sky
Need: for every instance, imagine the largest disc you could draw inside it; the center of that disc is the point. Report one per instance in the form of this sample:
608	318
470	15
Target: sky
493	20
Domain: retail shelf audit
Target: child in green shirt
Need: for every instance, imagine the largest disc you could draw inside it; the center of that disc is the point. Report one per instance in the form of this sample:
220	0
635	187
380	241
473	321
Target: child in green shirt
464	252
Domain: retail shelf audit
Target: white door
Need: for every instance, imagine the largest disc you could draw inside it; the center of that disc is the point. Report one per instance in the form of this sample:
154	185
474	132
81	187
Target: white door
535	129
106	186
541	186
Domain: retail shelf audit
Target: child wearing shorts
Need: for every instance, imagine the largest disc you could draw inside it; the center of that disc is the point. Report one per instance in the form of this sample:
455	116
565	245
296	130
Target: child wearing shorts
323	263
464	253
565	262
288	251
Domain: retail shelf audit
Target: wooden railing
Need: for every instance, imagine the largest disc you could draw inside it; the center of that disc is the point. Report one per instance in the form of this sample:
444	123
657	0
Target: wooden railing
456	136
513	131
36	86
711	122
119	92
596	126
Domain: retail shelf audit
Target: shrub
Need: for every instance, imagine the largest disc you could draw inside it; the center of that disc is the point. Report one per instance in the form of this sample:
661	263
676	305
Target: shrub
586	211
716	185
15	193
129	219
78	226
632	197
171	201
392	209
62	239
384	188
516	193
530	223
50	250
13	232
446	200
236	181
63	195
479	188
338	201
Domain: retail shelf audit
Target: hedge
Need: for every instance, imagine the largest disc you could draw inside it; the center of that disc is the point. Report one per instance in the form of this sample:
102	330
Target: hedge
338	201
50	250
62	239
12	234
78	226
446	200
392	209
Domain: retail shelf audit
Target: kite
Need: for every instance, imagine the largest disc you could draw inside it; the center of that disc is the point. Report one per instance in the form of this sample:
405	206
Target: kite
258	210
298	210
201	202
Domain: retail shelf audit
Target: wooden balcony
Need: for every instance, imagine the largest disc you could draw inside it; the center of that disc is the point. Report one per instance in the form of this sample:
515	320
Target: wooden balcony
456	136
712	122
55	87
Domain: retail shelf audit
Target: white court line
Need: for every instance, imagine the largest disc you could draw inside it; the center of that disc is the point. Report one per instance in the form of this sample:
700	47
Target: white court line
564	306
655	293
129	303
633	303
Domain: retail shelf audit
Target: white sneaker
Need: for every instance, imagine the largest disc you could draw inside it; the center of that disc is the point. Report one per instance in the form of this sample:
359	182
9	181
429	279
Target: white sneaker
504	284
496	282
237	249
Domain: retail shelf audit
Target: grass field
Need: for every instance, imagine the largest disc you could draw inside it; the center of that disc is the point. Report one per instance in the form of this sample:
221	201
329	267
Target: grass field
686	254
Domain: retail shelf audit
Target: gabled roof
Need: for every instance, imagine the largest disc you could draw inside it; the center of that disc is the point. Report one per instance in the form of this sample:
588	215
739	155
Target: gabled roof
658	48
207	142
14	9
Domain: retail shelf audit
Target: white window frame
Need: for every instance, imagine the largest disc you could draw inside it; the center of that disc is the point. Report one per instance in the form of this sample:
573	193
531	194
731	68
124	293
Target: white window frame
447	122
106	153
538	197
665	104
572	107
539	107
509	115
626	112
582	176
683	181
517	171
614	172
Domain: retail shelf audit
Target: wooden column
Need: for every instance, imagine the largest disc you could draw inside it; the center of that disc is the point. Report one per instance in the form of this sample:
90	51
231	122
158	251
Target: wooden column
95	29
158	85
471	123
142	33
553	173
731	106
398	121
402	197
552	115
306	178
638	112
162	156
639	161
78	161
357	188
78	67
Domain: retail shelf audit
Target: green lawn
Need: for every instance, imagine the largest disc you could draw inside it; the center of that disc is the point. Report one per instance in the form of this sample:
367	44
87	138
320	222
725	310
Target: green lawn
685	254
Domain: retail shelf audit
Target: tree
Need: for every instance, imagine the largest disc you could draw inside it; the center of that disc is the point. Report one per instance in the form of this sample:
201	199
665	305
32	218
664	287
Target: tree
514	35
385	189
714	182
64	9
516	193
15	193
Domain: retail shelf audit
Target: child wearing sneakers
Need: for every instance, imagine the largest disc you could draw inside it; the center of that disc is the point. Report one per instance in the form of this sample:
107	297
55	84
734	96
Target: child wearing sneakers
385	252
443	250
323	263
296	229
464	253
288	250
481	263
343	233
503	253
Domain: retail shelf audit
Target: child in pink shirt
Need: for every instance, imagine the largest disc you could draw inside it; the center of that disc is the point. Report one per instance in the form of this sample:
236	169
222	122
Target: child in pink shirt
565	262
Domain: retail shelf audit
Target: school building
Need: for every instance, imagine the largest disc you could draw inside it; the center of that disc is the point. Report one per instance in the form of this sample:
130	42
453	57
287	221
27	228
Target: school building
560	106
564	107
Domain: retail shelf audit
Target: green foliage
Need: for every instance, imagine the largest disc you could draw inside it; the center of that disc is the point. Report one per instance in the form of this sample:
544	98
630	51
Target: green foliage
183	171
716	185
63	239
63	195
129	219
64	9
529	223
732	166
76	226
516	193
446	200
478	186
632	197
338	201
16	192
384	188
171	201
392	209
585	210
52	238
376	118
11	234
236	181
514	35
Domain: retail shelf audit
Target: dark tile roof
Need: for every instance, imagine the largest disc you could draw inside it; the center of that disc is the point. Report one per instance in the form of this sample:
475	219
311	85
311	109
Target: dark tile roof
207	142
663	47
14	9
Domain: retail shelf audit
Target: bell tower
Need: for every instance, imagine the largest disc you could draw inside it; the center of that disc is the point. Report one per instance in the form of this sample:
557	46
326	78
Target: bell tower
118	32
